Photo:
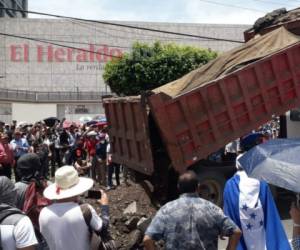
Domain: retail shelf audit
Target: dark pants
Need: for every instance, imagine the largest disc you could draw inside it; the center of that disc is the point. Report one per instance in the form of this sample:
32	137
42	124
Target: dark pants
113	168
5	170
17	177
230	156
45	167
93	170
58	157
52	160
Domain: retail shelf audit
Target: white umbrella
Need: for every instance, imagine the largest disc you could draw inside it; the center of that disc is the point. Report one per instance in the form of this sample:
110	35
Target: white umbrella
85	119
276	162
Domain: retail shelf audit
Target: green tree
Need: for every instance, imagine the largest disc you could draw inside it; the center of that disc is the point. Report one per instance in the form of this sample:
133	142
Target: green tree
149	66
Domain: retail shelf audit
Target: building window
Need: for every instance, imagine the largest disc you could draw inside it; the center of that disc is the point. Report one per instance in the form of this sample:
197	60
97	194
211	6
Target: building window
5	109
24	7
1	11
14	6
81	109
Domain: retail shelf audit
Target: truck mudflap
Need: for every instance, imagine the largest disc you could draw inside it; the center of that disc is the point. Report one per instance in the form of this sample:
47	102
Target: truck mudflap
198	123
129	133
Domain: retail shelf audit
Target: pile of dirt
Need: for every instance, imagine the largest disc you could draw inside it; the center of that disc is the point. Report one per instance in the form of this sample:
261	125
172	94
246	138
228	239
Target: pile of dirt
276	17
231	61
131	211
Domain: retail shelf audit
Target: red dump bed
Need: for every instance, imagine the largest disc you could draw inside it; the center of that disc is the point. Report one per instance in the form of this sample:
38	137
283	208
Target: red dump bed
129	135
201	121
198	123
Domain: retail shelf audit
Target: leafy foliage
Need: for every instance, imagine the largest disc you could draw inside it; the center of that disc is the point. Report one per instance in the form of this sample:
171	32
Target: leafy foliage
149	66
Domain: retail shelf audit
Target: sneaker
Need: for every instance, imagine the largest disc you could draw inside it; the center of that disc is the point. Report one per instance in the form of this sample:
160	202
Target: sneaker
109	188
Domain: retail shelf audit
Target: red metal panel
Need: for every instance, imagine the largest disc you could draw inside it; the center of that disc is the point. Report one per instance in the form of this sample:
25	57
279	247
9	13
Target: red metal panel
200	122
128	130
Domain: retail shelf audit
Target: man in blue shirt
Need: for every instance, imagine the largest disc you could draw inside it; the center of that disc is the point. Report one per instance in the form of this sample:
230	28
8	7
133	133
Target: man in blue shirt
19	144
190	223
20	147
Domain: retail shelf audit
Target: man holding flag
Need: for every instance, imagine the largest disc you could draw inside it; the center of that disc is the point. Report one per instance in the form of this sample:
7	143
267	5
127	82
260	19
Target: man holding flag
249	203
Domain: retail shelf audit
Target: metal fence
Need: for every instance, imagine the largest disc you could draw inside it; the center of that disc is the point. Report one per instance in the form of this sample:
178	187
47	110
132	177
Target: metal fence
39	96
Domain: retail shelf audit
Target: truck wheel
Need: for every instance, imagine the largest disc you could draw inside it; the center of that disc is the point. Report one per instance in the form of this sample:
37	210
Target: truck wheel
211	187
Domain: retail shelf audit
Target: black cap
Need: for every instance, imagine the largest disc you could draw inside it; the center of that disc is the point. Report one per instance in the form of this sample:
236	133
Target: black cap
29	166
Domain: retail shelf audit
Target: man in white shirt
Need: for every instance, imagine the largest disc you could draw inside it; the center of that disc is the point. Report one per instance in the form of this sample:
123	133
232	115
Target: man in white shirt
62	223
16	229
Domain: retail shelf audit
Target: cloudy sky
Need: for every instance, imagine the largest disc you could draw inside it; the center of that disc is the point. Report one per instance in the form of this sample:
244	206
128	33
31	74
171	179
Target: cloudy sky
191	11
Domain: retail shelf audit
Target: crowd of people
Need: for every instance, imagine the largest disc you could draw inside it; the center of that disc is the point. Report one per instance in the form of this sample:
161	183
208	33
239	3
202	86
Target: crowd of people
87	148
44	171
38	214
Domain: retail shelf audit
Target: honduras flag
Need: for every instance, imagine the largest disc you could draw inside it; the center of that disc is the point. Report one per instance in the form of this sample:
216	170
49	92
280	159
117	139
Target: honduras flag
249	203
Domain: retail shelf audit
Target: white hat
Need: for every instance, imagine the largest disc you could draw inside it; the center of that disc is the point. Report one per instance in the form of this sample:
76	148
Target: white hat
67	184
92	133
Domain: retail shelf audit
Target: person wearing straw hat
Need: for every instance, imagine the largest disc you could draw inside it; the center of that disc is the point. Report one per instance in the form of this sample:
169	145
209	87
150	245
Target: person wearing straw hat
62	223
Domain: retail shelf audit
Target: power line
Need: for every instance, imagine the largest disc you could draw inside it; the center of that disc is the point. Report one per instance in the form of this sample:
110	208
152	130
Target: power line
148	37
57	44
83	43
54	42
127	26
274	3
144	37
232	6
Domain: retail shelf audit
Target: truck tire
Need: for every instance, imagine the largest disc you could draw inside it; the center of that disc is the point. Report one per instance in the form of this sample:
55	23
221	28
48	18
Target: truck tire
212	186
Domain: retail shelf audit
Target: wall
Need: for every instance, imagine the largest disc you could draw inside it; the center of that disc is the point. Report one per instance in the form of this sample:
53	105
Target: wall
77	112
32	112
31	65
5	112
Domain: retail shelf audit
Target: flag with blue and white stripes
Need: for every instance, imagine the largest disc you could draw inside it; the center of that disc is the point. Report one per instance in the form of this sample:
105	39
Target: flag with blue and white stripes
249	203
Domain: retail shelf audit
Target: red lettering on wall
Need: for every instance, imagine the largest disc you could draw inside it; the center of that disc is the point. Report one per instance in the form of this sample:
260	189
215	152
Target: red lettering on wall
69	54
92	54
82	56
40	52
114	53
26	53
102	54
50	53
59	55
16	53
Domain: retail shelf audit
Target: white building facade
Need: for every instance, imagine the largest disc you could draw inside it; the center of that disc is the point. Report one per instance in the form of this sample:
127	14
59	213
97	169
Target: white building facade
54	63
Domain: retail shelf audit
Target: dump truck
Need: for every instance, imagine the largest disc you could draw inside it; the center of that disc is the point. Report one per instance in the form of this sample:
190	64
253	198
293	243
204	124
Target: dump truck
185	124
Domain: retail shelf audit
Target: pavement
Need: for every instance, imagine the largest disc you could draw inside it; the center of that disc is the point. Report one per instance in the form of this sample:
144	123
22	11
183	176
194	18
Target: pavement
283	203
